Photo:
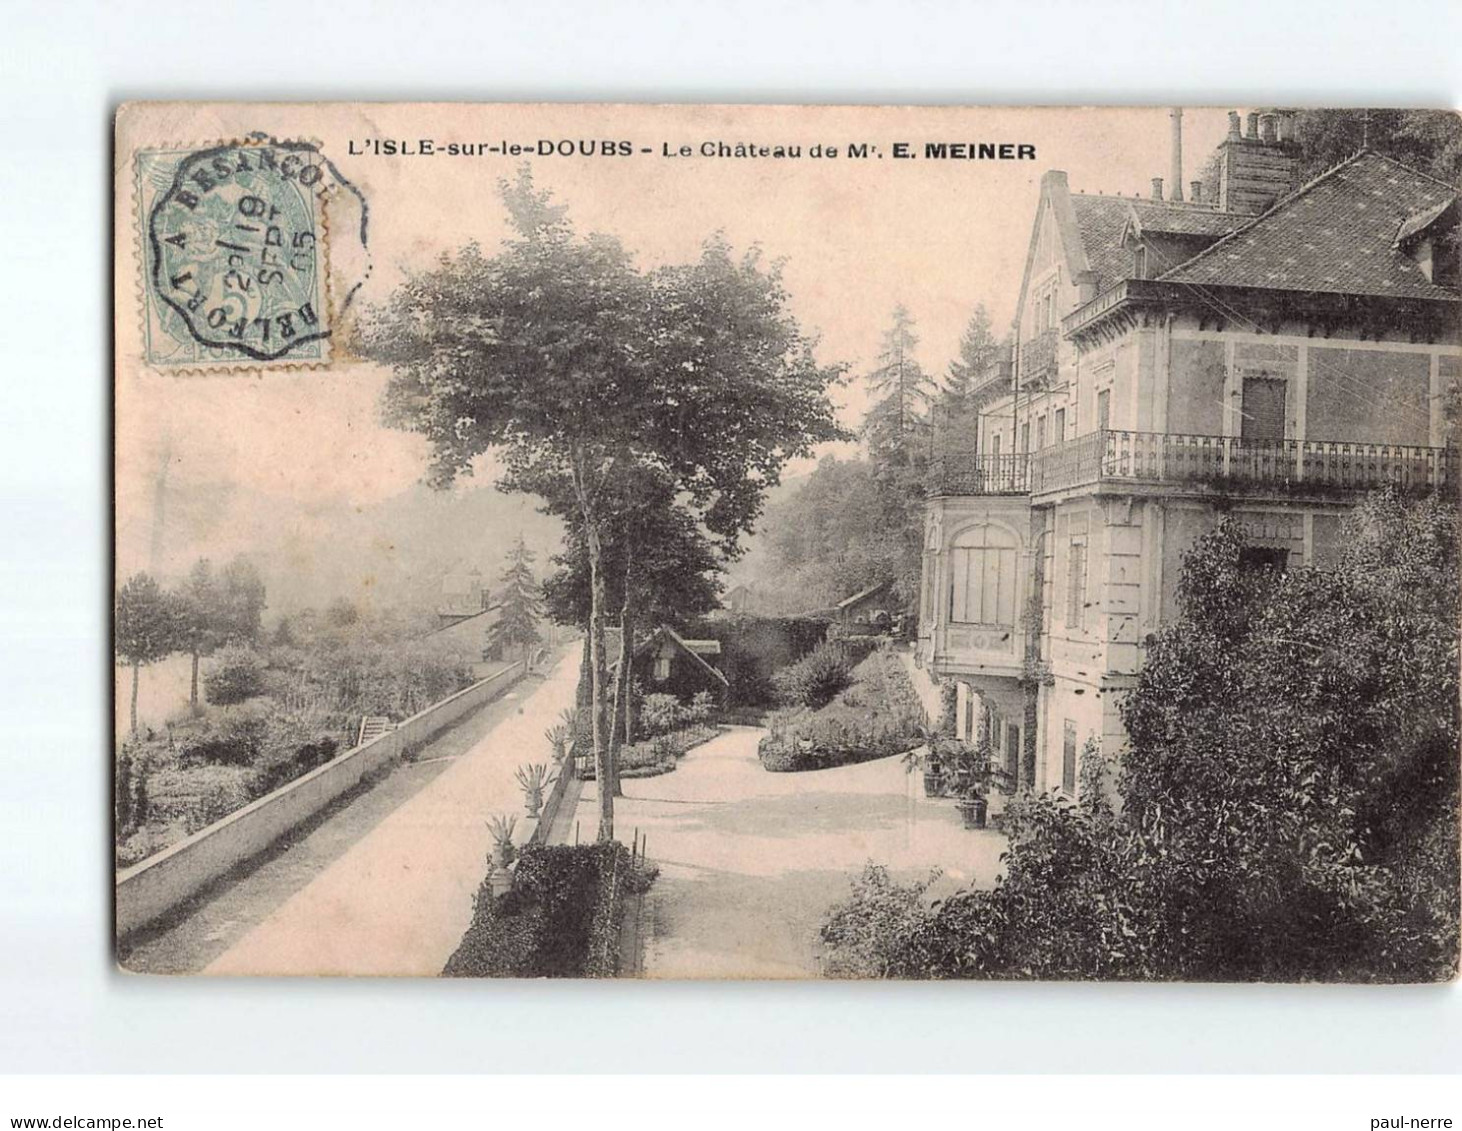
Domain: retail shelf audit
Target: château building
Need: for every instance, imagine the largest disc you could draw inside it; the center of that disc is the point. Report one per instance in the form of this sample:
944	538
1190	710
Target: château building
1273	353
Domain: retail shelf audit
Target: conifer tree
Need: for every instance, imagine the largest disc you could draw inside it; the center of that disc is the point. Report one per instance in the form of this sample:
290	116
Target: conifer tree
522	604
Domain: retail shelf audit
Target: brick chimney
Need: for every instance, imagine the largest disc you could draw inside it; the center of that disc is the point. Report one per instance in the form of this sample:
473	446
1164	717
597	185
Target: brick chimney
1156	188
1256	169
1195	192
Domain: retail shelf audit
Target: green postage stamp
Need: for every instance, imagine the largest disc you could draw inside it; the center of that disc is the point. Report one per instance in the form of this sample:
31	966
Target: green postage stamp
234	254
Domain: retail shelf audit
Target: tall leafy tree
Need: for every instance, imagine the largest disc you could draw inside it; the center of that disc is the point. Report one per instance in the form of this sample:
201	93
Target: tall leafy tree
1429	140
522	603
579	369
242	598
145	627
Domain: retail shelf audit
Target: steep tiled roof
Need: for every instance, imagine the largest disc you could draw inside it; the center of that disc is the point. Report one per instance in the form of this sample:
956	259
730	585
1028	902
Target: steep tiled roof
1334	235
1102	220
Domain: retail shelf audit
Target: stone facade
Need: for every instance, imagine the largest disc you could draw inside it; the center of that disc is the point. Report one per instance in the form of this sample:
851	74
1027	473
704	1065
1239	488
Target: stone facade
1144	406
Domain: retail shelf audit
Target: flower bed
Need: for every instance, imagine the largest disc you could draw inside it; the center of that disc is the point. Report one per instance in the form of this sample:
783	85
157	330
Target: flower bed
879	715
658	755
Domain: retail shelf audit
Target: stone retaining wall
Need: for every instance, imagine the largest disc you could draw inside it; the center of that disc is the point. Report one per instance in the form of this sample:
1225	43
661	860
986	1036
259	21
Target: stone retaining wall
153	887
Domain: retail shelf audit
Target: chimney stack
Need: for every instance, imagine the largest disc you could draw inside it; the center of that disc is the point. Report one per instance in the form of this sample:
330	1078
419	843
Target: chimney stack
1255	171
1156	188
1177	171
1195	193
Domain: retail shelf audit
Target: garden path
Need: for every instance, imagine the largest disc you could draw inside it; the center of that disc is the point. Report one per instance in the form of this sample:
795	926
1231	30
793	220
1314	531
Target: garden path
398	902
751	861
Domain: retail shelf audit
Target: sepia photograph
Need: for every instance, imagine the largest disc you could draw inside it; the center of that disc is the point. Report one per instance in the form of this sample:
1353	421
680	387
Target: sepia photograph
786	542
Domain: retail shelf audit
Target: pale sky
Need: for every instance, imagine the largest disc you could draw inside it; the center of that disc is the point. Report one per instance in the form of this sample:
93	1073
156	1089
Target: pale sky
280	460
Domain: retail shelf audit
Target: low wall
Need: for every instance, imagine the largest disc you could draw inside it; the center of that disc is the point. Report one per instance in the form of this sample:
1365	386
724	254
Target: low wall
150	889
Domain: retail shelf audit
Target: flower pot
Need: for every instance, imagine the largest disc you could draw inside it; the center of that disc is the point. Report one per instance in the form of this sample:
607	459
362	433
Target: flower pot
973	810
933	784
500	882
534	801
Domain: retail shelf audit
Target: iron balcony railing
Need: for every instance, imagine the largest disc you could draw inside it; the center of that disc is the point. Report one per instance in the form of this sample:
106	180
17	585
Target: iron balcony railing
964	474
1226	462
1234	462
1038	357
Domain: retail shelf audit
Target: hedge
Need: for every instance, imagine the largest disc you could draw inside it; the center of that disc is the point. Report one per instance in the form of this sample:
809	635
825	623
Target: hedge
562	918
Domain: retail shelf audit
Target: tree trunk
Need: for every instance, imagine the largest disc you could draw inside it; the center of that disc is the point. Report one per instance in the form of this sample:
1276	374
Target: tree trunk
597	676
135	669
193	688
624	678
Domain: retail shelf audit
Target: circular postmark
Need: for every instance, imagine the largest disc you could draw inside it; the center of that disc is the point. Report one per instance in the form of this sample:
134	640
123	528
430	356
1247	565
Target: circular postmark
237	258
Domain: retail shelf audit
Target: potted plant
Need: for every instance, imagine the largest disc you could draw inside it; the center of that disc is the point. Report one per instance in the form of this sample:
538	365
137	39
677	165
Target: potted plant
929	758
533	778
972	773
499	879
558	739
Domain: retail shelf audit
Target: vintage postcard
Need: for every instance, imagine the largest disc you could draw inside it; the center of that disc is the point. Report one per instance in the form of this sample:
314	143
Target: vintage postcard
787	542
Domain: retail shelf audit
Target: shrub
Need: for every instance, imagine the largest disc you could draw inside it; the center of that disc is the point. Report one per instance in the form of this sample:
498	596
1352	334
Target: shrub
702	706
867	935
236	737
816	679
879	716
197	796
561	920
660	714
235	674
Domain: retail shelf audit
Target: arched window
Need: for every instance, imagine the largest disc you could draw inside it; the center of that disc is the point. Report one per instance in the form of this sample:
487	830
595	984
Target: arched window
982	577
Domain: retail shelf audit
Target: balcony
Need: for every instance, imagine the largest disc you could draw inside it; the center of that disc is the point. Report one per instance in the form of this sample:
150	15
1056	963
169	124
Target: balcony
956	474
1231	463
1038	358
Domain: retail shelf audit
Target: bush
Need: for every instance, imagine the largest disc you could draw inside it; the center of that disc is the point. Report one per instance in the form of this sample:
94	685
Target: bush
235	737
235	674
561	920
816	679
702	707
867	936
878	716
197	796
660	714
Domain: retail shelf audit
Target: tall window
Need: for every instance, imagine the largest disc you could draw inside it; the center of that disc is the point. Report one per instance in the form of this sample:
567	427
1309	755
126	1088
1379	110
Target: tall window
995	445
1068	758
1076	584
983	577
1025	436
1058	431
1040	432
1104	409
